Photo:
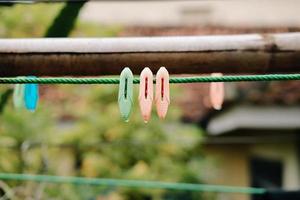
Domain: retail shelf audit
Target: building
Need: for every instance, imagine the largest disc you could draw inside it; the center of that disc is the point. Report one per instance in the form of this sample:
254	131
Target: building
254	140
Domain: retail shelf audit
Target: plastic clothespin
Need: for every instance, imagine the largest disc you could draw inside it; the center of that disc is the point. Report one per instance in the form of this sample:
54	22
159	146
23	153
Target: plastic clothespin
146	93
126	93
18	96
162	95
31	95
217	93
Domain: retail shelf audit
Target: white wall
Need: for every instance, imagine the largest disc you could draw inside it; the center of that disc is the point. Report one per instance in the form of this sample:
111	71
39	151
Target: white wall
258	13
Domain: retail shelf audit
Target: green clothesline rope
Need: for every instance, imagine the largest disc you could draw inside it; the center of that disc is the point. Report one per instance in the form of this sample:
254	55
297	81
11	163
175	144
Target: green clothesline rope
131	183
196	79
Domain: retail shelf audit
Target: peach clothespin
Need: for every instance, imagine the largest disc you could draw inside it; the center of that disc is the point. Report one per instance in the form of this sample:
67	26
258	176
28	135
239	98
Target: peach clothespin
146	93
162	95
217	93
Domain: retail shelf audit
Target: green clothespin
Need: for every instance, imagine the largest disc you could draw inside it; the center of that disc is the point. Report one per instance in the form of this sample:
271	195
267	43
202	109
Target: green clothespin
126	93
18	96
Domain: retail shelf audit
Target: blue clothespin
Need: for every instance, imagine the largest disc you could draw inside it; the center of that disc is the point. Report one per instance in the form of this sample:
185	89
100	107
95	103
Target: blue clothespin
31	95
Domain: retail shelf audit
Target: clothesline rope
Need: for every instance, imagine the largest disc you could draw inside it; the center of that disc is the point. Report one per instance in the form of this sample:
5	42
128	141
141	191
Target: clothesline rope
131	183
175	80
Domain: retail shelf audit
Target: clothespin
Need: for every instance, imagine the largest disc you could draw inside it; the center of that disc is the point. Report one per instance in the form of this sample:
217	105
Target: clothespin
146	93
217	93
162	95
126	93
18	96
31	95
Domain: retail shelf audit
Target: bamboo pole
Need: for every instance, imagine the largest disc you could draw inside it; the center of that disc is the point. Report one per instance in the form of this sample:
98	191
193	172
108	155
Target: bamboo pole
269	53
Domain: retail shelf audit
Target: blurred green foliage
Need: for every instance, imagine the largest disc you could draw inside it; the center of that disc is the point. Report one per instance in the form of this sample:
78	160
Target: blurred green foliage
29	20
77	130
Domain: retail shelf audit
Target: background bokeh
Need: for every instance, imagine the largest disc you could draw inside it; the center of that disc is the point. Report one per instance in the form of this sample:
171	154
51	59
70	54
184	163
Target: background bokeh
77	130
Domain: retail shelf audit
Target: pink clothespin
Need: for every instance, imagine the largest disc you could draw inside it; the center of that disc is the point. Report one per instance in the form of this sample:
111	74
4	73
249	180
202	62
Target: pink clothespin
162	95
217	93
146	93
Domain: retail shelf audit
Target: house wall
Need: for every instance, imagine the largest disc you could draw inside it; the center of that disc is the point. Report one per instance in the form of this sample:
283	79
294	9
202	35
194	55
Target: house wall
229	164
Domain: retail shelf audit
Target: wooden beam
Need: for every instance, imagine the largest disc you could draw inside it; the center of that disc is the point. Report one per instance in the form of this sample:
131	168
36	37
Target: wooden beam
73	1
270	53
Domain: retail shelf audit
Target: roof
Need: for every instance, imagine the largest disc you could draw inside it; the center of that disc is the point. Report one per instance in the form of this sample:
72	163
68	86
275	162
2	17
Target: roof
255	117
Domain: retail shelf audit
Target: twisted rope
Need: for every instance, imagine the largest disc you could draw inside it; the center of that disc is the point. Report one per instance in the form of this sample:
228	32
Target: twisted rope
175	80
131	183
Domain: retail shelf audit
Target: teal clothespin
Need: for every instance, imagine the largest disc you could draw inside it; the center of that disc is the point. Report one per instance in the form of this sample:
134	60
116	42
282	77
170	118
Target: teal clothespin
31	95
126	93
18	96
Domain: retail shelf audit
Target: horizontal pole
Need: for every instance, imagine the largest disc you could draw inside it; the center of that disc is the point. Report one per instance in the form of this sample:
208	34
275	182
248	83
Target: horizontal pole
254	53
